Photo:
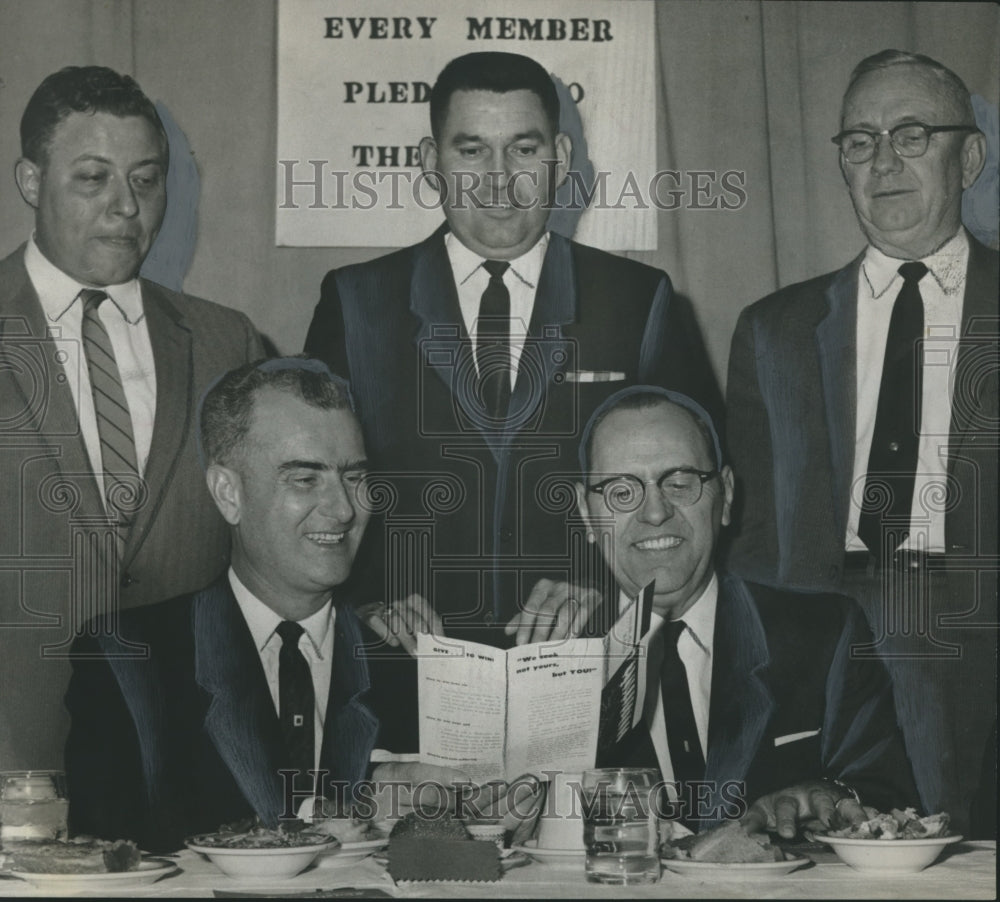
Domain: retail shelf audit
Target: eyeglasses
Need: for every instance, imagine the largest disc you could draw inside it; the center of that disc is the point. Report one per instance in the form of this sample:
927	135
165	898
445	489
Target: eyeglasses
910	139
681	487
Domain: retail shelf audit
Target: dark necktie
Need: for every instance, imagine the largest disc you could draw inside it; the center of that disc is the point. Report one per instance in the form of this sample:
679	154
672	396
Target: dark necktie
884	522
493	342
296	701
682	731
114	422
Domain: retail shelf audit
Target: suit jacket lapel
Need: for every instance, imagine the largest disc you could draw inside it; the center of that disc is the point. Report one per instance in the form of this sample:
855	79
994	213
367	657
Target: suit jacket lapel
975	398
742	701
545	351
171	343
241	719
836	344
350	727
30	358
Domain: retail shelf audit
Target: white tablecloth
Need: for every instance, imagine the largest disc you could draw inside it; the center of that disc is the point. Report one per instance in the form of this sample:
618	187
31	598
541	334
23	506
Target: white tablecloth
966	870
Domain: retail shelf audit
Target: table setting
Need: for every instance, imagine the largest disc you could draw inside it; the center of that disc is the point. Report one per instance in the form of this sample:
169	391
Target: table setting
594	835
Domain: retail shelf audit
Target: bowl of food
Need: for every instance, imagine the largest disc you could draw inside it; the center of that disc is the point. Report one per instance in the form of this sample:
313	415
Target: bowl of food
896	843
260	852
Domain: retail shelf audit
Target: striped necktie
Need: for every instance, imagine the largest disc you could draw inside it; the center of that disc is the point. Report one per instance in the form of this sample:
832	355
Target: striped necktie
114	423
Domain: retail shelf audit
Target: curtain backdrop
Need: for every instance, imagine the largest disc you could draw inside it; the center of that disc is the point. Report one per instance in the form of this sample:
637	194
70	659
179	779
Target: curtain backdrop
753	87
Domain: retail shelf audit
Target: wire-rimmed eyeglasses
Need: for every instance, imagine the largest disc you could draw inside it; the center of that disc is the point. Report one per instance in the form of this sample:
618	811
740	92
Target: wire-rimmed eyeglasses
909	139
680	486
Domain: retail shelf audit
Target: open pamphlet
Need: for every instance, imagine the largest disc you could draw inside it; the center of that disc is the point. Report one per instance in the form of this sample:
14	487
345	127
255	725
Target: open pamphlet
499	714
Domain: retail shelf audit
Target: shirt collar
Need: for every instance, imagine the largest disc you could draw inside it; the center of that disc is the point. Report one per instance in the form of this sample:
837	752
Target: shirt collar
699	619
263	621
57	291
527	267
947	265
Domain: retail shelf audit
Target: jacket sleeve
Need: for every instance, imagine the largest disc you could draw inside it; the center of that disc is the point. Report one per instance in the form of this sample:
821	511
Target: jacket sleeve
325	339
754	551
103	761
673	352
862	744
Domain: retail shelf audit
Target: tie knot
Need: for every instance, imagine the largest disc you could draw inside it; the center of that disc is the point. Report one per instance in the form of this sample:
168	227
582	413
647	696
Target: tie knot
913	272
673	630
496	268
92	298
290	632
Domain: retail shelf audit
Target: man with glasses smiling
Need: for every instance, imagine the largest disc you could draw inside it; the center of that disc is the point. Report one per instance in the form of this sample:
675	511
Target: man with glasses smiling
863	420
754	693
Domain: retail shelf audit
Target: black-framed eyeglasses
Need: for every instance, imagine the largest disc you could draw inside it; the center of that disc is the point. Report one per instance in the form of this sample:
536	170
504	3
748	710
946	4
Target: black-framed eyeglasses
681	487
909	139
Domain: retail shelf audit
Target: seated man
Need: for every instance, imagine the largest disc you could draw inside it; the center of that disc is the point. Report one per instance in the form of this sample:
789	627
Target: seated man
183	720
753	693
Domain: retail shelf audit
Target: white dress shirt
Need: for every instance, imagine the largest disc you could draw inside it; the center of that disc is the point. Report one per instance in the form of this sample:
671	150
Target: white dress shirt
521	280
125	321
316	645
695	647
943	291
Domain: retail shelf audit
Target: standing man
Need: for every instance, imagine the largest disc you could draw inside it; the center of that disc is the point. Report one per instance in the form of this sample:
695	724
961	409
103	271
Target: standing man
102	495
477	355
863	418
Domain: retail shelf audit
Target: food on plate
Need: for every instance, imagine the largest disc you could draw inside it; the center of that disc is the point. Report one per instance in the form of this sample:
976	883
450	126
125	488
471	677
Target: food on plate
728	843
83	855
250	834
896	825
327	818
436	846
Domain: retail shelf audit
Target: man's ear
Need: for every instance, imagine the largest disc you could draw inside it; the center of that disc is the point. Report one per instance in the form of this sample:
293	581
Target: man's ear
728	486
564	155
428	154
973	157
226	489
28	176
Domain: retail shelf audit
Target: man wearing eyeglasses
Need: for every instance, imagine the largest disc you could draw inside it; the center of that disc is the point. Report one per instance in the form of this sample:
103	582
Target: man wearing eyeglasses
863	419
752	694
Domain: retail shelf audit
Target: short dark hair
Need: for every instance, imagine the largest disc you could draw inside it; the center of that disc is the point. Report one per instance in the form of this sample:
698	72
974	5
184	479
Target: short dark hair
81	89
953	86
644	397
497	72
226	409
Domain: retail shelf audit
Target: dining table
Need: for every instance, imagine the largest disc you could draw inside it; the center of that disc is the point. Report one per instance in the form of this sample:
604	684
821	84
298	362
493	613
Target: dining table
965	870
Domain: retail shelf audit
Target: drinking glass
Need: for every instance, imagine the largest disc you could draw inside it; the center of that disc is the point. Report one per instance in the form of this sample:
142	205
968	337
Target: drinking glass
33	805
619	825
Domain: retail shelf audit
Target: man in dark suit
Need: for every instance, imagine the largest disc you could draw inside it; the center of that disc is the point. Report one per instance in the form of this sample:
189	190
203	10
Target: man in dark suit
194	734
869	454
476	355
752	692
100	371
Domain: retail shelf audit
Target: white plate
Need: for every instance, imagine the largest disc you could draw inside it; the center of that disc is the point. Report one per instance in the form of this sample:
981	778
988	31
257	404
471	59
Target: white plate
734	870
149	871
266	863
888	856
551	856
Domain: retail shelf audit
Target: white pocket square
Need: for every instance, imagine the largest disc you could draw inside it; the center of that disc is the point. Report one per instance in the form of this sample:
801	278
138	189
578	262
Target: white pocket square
794	737
594	376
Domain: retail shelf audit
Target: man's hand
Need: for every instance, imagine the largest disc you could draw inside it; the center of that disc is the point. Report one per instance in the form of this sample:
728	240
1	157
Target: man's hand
815	806
402	620
553	611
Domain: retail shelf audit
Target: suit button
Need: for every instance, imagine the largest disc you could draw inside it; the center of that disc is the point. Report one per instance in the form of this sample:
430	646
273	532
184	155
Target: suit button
893	446
126	580
506	535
